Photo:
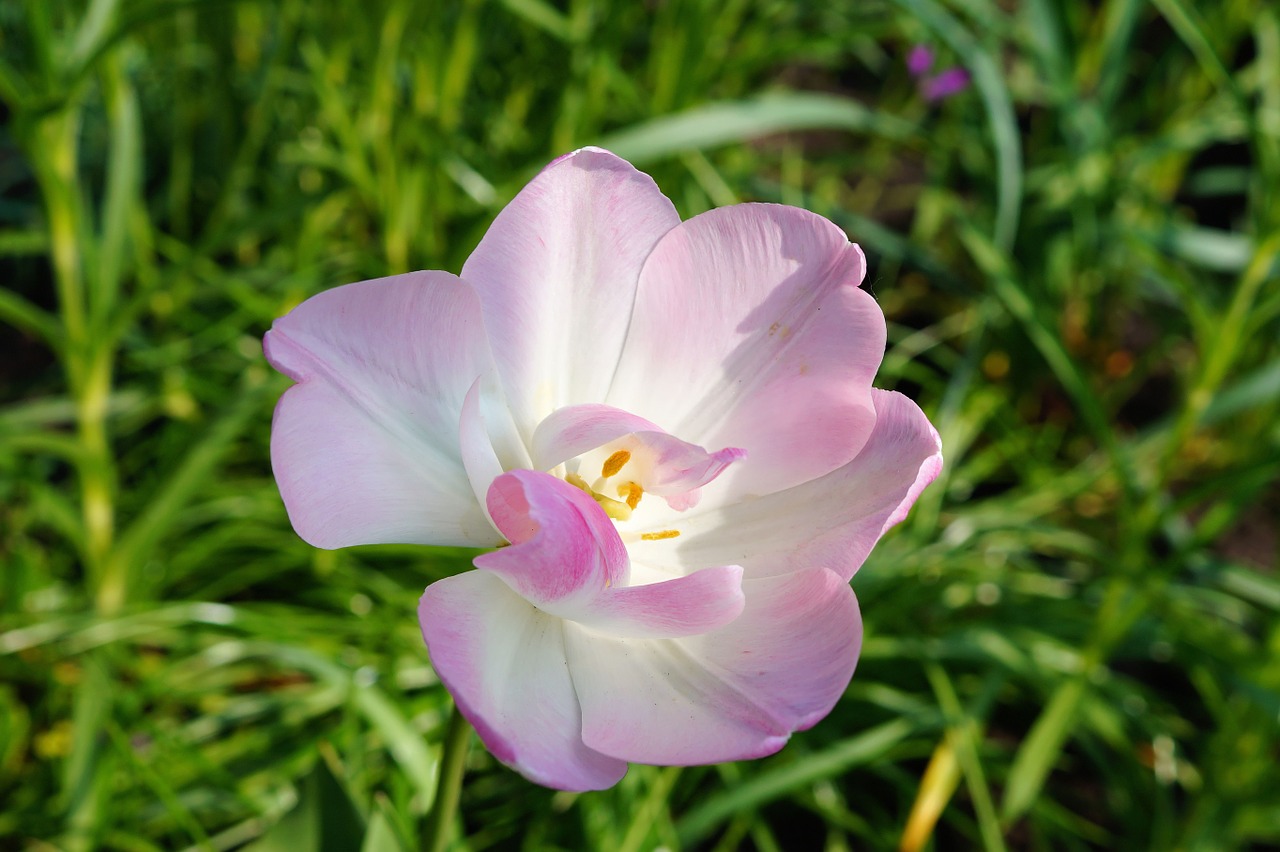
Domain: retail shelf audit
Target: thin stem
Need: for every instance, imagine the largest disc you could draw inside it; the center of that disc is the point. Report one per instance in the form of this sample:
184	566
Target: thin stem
453	764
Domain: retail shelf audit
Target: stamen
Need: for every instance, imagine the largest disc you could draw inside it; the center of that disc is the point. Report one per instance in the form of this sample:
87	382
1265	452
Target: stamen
631	492
614	509
659	536
614	463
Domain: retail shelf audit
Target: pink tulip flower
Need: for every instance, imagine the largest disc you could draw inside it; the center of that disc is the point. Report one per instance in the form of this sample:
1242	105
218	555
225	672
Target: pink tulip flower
665	434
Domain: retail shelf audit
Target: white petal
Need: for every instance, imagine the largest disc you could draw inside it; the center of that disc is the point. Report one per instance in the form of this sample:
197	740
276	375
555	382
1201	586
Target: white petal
557	274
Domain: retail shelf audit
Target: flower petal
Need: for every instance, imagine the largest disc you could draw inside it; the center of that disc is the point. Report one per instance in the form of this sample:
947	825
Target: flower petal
573	430
364	447
487	440
557	273
661	463
795	646
833	522
731	694
564	549
504	663
685	606
750	331
945	84
479	458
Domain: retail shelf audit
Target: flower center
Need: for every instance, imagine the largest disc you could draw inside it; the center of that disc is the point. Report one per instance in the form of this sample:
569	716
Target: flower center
628	491
618	458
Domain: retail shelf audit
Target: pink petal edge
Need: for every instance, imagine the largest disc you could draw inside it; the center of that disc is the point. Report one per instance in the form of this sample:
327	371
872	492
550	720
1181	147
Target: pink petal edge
556	274
750	331
504	664
363	446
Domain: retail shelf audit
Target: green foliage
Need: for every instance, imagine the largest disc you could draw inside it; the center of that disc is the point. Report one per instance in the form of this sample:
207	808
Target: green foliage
1072	643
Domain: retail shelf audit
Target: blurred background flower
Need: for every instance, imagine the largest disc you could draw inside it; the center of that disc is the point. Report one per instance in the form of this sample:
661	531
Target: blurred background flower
934	87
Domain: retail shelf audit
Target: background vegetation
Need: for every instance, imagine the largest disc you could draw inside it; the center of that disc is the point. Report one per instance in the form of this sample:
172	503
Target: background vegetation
1073	643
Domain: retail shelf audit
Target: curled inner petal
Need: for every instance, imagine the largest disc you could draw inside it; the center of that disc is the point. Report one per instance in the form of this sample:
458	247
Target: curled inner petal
651	459
564	548
567	559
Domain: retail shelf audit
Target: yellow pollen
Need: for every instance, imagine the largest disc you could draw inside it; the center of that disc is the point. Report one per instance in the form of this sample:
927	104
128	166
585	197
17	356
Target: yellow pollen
659	536
577	482
613	508
631	492
614	463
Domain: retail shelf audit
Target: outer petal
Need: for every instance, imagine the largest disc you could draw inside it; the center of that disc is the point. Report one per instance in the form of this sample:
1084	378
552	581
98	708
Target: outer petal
365	446
557	273
833	521
750	331
504	663
684	606
731	694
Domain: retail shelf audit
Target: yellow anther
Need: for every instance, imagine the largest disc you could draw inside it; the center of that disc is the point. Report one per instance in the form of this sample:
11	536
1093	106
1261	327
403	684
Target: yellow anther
614	463
613	508
631	492
659	536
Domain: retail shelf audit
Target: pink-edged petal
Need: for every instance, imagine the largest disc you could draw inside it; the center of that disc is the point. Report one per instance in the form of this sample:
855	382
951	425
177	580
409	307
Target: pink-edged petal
661	463
575	429
750	331
564	549
731	694
676	470
833	521
794	649
685	606
365	447
557	273
504	663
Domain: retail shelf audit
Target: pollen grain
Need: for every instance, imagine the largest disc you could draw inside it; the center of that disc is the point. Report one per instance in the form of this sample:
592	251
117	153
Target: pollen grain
631	492
614	463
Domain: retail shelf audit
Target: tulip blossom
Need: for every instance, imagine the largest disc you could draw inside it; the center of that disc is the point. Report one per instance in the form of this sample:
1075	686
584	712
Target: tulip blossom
663	433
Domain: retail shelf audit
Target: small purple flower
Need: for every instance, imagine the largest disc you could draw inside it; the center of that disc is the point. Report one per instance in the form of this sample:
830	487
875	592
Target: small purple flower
934	88
920	60
944	84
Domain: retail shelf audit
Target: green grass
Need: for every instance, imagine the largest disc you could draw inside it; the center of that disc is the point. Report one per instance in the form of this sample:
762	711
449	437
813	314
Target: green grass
1072	643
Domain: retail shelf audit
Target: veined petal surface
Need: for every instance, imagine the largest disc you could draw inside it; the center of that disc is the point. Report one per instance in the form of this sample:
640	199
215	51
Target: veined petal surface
750	331
729	694
365	446
833	521
504	663
557	272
